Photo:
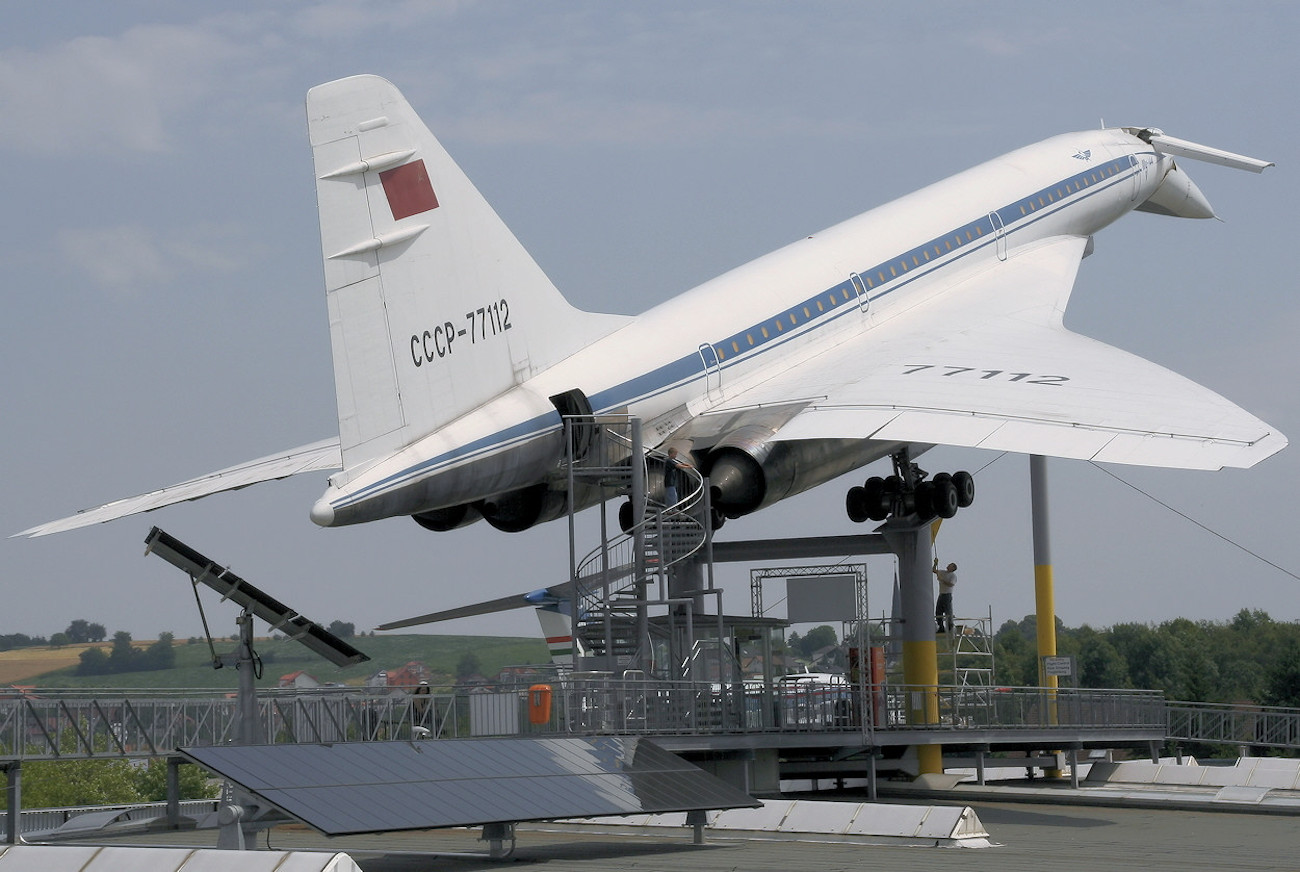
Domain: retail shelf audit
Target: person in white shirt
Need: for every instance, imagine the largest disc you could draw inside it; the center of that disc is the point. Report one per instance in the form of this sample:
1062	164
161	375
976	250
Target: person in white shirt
943	606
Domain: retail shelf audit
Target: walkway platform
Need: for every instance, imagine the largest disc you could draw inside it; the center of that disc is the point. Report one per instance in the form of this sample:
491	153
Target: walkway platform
1259	785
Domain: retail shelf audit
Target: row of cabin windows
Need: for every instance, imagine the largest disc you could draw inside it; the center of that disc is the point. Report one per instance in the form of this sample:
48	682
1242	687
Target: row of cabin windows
1080	182
967	234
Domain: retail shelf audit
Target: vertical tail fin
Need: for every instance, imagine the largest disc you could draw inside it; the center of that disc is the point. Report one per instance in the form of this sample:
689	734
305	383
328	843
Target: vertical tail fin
434	306
557	628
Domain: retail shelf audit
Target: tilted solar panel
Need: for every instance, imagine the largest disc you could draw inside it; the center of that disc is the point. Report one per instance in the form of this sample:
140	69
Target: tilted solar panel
373	787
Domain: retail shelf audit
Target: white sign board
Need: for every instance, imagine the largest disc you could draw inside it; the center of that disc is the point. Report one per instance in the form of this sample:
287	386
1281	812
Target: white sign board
1061	667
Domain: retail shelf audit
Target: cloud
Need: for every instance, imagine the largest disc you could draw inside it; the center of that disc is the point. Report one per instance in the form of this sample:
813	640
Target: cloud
129	258
347	20
97	93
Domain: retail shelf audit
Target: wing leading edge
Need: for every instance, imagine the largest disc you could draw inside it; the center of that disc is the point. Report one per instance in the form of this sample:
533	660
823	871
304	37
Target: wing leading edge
316	457
990	365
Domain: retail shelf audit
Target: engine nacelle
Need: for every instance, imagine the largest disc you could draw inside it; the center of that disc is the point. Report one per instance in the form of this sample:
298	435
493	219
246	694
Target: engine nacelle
516	511
749	470
450	518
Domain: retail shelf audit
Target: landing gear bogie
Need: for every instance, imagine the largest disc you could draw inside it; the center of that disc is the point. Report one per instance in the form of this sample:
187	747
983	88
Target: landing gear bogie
941	496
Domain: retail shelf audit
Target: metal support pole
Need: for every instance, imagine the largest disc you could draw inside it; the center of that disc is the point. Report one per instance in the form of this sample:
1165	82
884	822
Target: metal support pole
574	605
236	831
911	543
174	792
1044	594
250	727
14	802
638	496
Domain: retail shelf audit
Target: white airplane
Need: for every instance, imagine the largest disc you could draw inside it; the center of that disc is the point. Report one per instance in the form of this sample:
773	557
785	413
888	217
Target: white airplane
933	320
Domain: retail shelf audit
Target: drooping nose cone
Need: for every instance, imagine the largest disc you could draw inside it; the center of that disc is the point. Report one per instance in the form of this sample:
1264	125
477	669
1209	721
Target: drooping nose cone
322	513
1178	196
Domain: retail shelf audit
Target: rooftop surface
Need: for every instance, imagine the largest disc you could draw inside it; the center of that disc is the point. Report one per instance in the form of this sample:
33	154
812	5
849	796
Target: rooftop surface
1026	836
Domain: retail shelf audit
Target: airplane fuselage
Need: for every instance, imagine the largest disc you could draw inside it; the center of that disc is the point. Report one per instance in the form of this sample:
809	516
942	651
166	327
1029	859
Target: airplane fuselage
676	362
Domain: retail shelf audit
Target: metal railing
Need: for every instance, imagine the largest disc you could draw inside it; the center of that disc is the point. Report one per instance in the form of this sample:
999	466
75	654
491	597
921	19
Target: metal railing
1212	723
54	725
43	727
45	822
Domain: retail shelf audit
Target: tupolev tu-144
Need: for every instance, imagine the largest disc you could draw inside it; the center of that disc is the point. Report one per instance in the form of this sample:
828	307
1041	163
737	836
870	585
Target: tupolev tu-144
932	320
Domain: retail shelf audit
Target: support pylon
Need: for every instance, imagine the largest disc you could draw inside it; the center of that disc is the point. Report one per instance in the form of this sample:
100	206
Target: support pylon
911	543
1044	592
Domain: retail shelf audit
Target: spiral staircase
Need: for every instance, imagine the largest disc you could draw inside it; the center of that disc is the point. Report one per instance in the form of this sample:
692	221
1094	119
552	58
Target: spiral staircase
620	579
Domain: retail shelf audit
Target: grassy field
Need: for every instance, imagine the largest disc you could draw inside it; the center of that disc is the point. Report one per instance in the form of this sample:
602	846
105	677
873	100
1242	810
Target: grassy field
55	667
23	664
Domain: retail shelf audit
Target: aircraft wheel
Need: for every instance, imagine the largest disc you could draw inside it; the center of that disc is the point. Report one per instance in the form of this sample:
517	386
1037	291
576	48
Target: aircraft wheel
717	519
925	499
876	501
855	503
944	499
965	483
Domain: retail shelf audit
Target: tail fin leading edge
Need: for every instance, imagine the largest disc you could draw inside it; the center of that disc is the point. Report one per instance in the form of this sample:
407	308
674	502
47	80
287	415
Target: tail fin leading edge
435	307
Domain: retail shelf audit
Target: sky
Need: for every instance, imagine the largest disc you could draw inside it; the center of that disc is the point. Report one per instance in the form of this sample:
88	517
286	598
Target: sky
165	316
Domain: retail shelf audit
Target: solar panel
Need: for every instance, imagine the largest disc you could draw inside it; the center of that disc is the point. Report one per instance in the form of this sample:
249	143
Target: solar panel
260	603
374	787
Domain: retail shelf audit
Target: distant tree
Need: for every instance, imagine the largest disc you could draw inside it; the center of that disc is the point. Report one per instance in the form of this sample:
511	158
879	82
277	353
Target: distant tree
342	630
1282	686
58	640
97	632
123	656
93	662
159	655
63	783
468	665
1015	653
78	631
1098	663
20	640
1139	646
818	638
59	784
195	782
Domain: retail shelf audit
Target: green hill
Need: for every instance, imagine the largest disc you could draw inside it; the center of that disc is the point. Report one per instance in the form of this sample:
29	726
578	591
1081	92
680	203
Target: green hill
193	669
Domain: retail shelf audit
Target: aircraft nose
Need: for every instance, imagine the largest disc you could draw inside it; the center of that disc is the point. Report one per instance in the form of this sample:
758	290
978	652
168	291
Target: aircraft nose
322	513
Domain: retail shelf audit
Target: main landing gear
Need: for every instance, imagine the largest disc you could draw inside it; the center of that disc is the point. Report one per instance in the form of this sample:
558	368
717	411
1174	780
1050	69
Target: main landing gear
907	492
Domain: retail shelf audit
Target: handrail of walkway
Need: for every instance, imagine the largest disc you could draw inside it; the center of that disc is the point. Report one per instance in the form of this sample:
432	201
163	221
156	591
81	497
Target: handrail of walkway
60	725
43	823
1236	724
